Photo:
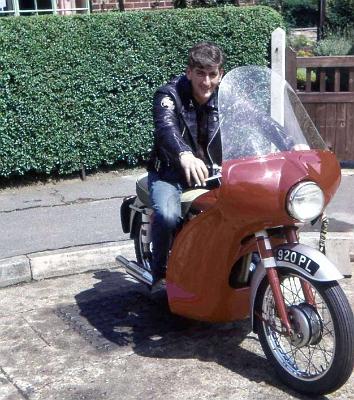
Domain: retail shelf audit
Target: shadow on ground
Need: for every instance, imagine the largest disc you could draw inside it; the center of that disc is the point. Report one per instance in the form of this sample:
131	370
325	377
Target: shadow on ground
114	315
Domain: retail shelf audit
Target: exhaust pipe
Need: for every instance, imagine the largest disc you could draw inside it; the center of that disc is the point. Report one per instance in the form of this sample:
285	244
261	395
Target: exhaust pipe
135	270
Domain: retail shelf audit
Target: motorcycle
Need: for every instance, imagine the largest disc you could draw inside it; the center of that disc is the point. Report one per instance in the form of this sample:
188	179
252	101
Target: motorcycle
237	253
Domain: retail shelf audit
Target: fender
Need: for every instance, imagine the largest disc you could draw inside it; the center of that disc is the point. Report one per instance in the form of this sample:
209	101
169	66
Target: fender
125	213
306	260
137	205
129	209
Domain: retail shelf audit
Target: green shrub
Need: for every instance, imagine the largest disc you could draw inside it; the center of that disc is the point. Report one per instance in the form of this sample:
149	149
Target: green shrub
333	45
304	53
276	4
301	78
296	13
78	90
301	13
299	42
340	14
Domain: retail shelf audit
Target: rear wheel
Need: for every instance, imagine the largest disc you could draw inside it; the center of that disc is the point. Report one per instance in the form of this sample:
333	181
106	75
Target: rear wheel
318	358
143	251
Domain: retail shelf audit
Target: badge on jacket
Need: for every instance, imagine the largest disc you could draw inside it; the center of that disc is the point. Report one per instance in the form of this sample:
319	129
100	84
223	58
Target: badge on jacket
168	103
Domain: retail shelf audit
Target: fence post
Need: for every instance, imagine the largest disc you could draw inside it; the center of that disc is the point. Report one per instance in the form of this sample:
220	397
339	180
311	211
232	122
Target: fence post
290	67
278	52
278	66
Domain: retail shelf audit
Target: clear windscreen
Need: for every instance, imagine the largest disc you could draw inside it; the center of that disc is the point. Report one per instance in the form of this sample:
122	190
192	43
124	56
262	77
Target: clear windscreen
260	114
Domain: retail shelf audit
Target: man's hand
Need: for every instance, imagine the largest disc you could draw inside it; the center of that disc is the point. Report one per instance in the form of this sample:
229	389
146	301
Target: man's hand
194	168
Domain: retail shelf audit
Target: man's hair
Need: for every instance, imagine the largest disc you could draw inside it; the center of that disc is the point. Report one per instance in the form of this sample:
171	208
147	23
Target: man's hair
205	55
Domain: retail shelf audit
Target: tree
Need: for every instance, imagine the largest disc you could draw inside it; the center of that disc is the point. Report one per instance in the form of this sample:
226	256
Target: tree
296	13
340	14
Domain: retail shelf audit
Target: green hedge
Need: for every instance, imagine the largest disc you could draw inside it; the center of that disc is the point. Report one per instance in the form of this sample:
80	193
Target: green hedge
77	90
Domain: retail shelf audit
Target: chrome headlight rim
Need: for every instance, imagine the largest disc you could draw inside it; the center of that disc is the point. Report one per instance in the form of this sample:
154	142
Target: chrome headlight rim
292	208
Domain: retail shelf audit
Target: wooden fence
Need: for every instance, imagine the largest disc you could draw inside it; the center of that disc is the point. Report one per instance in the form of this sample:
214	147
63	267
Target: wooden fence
327	93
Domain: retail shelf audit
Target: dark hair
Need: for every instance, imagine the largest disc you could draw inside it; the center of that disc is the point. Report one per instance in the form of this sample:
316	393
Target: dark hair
204	55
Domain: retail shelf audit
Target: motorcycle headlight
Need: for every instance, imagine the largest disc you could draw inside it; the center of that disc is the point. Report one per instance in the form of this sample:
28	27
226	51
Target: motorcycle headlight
305	201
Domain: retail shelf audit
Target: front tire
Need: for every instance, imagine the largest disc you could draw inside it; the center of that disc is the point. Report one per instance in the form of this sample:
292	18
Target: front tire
319	357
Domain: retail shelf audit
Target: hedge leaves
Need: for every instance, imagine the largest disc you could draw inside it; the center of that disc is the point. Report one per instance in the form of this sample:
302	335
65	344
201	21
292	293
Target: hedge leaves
77	90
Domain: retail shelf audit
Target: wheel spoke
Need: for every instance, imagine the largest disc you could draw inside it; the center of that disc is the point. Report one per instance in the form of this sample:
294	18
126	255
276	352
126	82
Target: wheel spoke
327	331
315	359
325	353
293	289
308	361
311	352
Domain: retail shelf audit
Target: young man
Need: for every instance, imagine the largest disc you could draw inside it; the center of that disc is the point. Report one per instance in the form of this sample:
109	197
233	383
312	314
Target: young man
186	143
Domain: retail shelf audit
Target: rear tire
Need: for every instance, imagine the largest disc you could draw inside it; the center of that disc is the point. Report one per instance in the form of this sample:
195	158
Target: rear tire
142	251
319	358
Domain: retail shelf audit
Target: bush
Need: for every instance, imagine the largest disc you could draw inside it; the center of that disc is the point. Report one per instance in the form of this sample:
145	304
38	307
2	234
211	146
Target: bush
340	14
296	13
301	13
276	4
301	78
304	53
78	90
300	42
333	45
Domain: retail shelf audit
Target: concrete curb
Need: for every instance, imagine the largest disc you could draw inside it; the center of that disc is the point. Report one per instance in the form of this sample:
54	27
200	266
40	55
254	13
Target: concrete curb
75	260
68	261
14	270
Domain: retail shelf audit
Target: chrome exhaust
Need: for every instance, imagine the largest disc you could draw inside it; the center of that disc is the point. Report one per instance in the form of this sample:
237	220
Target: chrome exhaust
133	269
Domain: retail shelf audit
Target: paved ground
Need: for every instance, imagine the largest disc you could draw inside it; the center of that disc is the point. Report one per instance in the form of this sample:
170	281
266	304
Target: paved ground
99	336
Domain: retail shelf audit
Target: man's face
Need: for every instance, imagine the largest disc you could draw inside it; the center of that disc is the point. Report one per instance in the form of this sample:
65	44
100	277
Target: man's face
204	81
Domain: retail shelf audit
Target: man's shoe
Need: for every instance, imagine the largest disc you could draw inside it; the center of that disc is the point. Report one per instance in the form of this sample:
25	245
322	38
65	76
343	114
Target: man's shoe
158	286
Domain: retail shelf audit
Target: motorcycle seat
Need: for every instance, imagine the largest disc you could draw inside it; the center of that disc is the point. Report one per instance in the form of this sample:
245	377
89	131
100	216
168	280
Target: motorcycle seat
142	190
187	197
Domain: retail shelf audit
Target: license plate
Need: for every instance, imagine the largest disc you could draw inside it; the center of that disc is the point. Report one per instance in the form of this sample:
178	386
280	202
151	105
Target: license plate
298	259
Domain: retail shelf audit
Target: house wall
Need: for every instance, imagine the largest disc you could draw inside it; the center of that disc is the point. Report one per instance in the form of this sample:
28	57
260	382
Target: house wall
127	5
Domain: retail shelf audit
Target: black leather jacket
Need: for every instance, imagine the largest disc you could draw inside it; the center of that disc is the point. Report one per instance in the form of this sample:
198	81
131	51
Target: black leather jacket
176	131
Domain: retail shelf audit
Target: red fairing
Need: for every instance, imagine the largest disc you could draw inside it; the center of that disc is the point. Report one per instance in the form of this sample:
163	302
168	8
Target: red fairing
252	197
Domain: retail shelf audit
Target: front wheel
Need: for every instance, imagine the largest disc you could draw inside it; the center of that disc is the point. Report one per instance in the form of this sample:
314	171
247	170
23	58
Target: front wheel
318	358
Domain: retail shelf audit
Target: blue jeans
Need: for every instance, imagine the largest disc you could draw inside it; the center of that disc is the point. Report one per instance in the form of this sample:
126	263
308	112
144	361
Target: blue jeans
166	202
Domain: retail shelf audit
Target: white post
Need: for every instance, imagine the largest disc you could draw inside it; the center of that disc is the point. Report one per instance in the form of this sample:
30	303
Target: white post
278	66
16	8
